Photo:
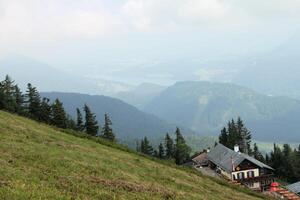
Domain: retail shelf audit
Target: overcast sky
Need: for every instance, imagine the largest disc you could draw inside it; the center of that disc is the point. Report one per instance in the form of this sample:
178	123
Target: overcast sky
112	39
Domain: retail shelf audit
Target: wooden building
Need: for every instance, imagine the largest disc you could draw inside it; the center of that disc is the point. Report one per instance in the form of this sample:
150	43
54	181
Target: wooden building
240	167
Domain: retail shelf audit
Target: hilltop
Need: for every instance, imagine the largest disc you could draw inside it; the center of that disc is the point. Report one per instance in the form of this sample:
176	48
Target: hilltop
42	162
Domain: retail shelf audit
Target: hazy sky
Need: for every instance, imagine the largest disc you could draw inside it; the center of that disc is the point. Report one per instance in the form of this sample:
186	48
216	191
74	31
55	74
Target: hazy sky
148	39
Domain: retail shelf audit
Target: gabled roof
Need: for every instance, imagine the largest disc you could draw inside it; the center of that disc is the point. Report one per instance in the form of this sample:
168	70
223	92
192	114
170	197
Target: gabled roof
295	187
225	157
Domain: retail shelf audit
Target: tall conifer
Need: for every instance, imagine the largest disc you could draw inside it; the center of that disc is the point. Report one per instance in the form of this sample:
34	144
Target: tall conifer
107	131
79	121
169	146
182	150
59	117
91	124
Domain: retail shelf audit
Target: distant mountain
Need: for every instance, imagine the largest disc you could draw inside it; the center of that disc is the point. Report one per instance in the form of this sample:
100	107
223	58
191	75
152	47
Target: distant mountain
206	107
26	70
140	95
275	73
128	121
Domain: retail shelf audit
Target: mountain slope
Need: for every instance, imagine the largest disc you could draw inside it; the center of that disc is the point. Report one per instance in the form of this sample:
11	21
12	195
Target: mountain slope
140	95
206	107
39	162
128	122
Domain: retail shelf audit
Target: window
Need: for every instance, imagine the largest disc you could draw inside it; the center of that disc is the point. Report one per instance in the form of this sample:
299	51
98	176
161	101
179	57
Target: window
234	177
250	184
241	175
250	174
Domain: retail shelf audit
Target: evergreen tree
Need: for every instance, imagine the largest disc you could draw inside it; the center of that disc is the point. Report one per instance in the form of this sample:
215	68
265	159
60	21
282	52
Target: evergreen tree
243	136
297	163
91	124
257	154
276	161
223	138
79	121
19	100
232	134
161	151
7	100
267	159
33	102
182	150
169	146
236	134
107	131
2	97
59	117
288	163
46	111
146	148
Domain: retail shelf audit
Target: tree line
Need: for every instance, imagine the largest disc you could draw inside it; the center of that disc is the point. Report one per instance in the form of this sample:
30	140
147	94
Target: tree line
33	106
176	150
285	161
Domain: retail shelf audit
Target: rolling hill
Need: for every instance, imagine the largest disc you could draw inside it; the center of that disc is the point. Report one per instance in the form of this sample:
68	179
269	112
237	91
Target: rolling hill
206	107
129	123
40	162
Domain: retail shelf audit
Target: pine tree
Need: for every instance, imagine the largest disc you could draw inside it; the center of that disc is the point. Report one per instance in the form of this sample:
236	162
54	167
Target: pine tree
297	163
79	121
59	117
182	150
232	134
2	97
8	101
146	148
288	163
243	137
19	100
161	151
91	124
169	146
236	134
33	102
257	154
46	111
223	138
276	161
107	131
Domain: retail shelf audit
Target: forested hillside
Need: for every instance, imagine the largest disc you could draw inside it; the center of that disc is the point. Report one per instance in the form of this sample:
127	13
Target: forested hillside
207	107
128	121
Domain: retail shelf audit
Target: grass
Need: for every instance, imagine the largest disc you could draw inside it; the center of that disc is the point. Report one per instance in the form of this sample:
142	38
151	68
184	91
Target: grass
40	162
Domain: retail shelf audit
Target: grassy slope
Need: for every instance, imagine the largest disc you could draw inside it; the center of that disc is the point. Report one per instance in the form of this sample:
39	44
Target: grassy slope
39	162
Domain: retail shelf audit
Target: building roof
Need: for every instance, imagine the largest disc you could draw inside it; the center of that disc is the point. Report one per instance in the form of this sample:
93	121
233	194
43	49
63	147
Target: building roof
200	158
295	187
226	158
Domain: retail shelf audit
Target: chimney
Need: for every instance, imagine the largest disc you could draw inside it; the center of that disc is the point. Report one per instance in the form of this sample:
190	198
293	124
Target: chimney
207	150
236	148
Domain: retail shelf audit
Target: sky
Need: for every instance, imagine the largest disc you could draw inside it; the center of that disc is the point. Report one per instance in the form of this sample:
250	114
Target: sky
136	41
